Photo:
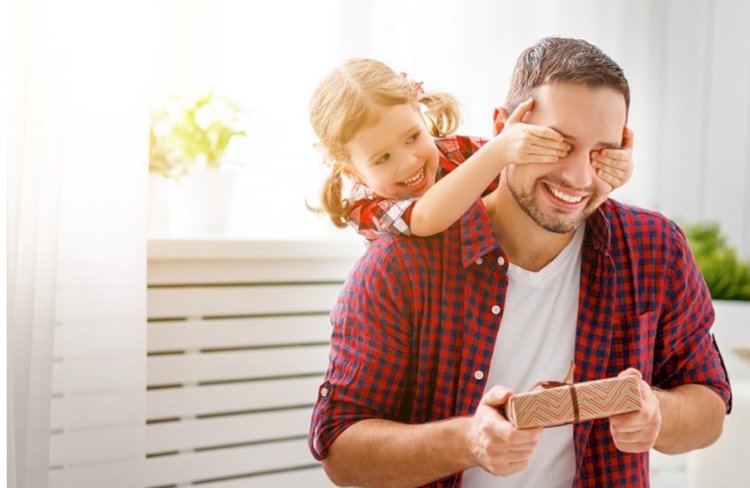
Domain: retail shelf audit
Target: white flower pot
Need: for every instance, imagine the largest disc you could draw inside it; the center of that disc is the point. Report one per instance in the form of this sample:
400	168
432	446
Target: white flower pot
158	205
200	203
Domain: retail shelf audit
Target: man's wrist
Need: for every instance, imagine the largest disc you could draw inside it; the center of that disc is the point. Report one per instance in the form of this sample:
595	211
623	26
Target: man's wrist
459	442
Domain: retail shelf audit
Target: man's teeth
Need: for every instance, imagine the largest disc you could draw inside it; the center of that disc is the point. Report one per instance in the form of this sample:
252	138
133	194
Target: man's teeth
564	196
414	179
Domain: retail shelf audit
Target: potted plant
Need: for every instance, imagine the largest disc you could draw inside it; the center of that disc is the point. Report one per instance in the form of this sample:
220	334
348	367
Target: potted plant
189	140
728	281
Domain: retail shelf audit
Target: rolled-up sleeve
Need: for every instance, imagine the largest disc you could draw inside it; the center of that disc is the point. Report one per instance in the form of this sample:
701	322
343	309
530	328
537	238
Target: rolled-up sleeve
689	353
368	359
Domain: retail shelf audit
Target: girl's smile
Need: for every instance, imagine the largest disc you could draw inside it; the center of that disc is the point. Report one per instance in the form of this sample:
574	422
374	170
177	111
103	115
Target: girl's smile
395	155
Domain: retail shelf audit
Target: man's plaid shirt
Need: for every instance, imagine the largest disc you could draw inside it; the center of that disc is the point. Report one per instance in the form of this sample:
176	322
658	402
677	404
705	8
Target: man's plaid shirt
417	317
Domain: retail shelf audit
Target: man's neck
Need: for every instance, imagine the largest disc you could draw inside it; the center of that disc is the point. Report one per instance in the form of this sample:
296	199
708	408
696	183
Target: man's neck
524	242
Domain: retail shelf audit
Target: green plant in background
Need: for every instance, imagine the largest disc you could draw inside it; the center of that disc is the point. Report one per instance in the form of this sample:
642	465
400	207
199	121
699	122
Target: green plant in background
192	134
727	277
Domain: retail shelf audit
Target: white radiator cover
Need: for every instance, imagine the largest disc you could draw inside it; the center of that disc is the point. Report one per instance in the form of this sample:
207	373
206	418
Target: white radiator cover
238	337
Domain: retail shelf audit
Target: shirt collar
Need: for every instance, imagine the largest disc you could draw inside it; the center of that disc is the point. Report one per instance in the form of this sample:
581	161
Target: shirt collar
477	235
598	233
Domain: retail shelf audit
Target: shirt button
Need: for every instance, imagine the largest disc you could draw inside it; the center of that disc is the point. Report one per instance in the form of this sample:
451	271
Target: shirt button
479	261
496	309
324	392
500	260
478	375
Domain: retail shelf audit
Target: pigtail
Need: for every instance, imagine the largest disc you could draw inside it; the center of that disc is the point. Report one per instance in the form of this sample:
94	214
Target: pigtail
332	201
442	112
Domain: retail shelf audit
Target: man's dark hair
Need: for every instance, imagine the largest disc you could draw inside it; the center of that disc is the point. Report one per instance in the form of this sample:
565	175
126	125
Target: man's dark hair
559	59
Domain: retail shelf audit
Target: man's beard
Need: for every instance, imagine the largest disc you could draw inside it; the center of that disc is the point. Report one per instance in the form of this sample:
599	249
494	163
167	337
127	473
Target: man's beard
561	224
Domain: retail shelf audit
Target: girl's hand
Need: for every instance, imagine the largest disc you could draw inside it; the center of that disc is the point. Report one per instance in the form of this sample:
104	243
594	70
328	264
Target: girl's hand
521	143
615	166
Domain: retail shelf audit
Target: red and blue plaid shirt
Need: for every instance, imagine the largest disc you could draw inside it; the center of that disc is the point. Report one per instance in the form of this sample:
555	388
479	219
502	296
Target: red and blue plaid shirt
373	215
415	321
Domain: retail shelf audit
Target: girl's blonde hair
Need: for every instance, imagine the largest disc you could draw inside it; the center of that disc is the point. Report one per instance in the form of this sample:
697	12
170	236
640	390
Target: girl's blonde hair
344	102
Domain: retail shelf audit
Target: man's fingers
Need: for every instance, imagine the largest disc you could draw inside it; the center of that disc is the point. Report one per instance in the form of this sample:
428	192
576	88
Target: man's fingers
625	423
520	111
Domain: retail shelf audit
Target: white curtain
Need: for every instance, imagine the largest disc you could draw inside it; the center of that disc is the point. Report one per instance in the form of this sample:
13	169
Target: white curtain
77	151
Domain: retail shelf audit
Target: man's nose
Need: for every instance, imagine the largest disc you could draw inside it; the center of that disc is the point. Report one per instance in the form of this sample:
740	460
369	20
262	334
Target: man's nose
577	169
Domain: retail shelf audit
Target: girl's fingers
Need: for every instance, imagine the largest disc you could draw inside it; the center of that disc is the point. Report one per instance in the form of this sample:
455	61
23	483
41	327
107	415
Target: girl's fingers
609	170
545	159
539	158
627	137
614	180
546	151
609	179
620	156
545	133
546	146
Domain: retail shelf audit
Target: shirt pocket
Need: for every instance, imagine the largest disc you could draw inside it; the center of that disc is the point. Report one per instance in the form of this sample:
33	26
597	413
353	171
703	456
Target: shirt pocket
634	344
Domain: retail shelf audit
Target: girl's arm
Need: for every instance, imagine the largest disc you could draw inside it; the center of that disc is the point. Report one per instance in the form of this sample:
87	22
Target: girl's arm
449	198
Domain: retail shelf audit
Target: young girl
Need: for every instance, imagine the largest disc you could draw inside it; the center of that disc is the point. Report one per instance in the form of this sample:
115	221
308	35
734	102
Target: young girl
372	132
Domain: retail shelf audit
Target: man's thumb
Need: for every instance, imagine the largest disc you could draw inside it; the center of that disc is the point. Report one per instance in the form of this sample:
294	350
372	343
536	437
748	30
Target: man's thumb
497	396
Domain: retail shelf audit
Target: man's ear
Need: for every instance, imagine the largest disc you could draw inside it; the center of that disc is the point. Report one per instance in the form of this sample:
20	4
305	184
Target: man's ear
499	116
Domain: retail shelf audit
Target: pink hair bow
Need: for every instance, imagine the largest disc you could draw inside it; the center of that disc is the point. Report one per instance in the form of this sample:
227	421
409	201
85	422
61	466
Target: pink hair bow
416	86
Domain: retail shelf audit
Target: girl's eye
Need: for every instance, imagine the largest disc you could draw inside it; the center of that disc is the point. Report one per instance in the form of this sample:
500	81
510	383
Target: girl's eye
382	159
413	137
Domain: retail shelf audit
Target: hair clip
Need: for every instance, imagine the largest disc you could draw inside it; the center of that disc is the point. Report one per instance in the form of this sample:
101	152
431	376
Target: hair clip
416	86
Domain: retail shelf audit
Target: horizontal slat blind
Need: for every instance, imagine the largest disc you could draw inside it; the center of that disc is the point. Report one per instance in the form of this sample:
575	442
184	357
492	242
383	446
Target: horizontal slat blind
232	333
238	344
306	477
231	365
235	397
226	430
240	300
230	462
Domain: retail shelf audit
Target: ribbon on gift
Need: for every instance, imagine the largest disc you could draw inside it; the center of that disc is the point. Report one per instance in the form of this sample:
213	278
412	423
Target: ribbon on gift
567	381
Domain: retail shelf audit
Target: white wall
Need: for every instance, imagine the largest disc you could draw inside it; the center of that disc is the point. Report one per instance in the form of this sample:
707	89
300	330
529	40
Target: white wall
688	62
702	165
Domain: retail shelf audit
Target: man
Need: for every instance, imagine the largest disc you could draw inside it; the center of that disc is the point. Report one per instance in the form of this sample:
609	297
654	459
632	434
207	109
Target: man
431	336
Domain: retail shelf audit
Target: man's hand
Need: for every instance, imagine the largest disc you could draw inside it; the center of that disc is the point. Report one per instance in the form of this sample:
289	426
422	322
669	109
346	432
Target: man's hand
637	431
495	444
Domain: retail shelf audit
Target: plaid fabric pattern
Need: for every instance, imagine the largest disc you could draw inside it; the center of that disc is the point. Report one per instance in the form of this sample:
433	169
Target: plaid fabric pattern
417	318
373	215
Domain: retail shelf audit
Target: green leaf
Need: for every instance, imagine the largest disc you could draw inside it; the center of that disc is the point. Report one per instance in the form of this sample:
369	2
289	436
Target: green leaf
186	141
726	276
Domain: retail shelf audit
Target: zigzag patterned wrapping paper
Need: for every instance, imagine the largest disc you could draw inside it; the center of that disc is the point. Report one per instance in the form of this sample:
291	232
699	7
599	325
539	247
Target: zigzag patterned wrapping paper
596	399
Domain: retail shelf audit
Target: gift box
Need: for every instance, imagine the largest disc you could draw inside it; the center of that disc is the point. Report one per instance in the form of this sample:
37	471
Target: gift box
571	403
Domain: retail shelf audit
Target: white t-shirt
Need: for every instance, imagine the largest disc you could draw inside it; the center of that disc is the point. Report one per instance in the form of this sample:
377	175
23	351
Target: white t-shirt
536	342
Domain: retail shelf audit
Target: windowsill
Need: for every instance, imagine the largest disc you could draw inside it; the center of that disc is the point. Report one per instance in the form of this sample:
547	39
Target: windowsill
216	248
